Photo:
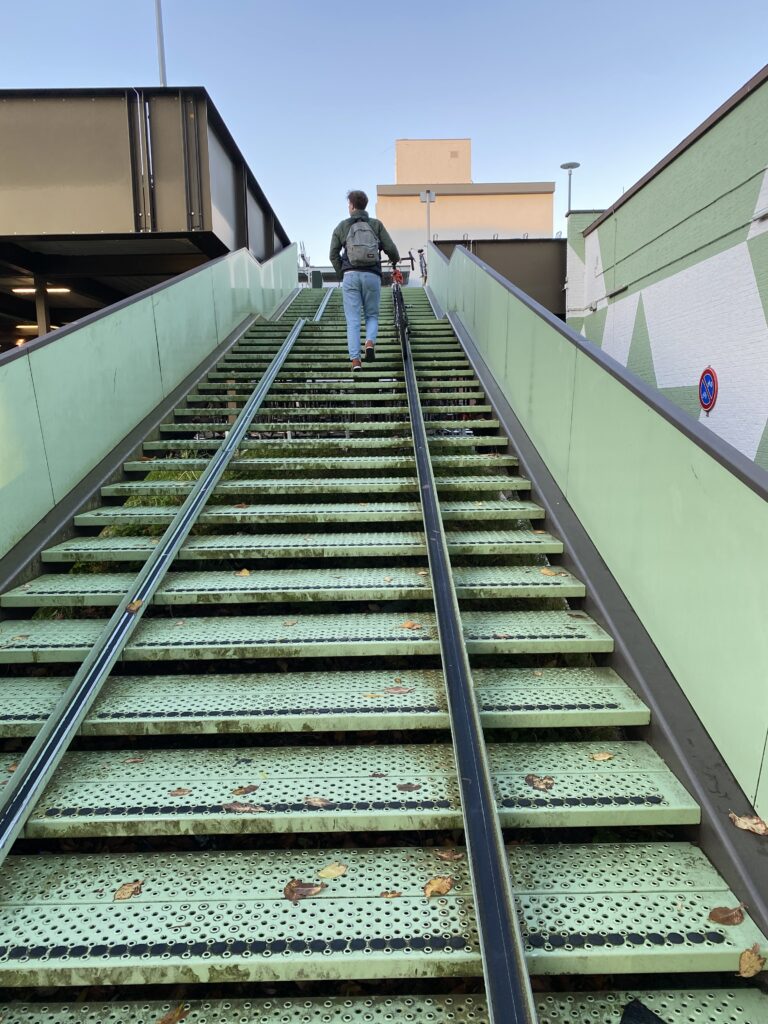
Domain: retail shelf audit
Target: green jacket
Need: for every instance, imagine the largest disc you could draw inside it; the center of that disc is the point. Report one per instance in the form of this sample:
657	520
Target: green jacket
340	263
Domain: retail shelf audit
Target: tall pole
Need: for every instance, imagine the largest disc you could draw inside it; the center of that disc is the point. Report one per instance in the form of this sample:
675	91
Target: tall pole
570	167
160	42
429	230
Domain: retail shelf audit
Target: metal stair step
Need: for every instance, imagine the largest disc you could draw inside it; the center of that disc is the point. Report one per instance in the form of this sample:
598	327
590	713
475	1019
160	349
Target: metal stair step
254	702
397	406
678	1006
328	444
385	583
320	426
340	462
318	512
586	909
405	484
304	635
314	545
363	788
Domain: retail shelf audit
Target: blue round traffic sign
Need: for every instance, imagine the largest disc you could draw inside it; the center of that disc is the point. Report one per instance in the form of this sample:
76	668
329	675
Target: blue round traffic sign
708	389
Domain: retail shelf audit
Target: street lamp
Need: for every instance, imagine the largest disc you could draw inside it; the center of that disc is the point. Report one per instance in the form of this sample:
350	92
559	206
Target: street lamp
570	167
428	197
160	42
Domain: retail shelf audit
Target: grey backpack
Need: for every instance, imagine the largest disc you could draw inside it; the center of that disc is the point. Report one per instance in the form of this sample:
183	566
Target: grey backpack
362	245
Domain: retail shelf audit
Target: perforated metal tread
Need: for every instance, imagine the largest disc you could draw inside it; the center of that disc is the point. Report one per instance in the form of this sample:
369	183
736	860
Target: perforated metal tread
699	1006
306	585
294	413
309	545
317	512
383	425
303	635
363	788
287	446
329	462
321	485
406	699
587	909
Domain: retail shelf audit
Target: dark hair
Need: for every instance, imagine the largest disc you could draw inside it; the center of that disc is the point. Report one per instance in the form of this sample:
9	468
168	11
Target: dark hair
358	199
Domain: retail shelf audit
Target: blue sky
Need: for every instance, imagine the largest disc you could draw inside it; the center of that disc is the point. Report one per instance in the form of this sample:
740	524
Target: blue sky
316	93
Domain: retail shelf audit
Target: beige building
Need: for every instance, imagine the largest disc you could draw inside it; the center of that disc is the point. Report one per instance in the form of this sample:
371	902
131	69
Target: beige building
462	208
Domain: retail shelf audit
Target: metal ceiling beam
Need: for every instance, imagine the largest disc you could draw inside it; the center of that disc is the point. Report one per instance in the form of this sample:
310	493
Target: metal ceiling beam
118	266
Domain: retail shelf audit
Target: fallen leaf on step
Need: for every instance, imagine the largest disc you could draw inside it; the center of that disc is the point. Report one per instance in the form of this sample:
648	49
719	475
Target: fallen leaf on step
727	915
290	622
450	854
547	572
576	615
388	579
398	689
408	787
390	894
240	504
538	673
410	624
12	767
438	886
397	679
133	760
750	962
372	696
179	792
749	823
422	572
541	782
296	890
175	1015
333	870
244	790
243	572
238	807
316	801
147	458
602	755
134	606
128	889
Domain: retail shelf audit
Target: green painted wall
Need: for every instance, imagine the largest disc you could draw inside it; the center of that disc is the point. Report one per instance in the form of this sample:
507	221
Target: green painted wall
684	538
64	406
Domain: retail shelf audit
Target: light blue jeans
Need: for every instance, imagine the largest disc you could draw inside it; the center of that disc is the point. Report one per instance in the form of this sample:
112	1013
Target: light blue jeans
361	291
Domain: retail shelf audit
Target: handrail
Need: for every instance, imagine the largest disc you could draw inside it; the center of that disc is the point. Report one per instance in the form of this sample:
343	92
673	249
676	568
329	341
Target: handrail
507	986
321	308
743	468
49	746
61	332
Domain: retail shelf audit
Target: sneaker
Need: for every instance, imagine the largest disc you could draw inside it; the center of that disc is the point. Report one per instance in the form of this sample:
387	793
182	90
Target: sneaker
356	365
370	351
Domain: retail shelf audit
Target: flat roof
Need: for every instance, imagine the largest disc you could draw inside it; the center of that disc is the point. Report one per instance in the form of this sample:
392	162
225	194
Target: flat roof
486	188
733	101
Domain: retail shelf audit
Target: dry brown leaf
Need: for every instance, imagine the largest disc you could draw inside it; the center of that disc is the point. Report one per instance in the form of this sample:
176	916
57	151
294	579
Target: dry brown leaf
602	755
333	870
377	775
179	792
316	801
750	962
438	886
372	696
423	572
244	790
243	572
410	624
450	854
296	890
538	673
398	689
133	760
547	572
12	767
749	823
397	679
727	915
390	894
134	606
501	636
541	782
238	807
128	889
147	458
408	787
290	622
177	1014
388	579
240	504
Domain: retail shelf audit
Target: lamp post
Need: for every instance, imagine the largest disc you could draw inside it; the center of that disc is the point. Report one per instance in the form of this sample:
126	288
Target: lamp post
160	42
570	167
428	197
